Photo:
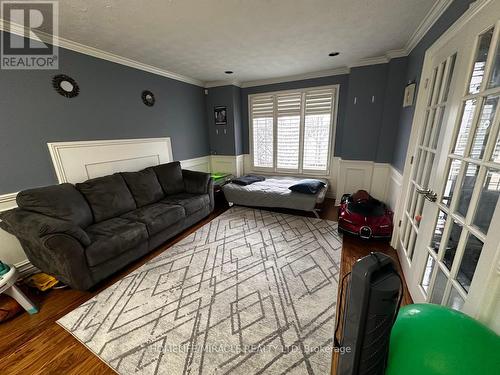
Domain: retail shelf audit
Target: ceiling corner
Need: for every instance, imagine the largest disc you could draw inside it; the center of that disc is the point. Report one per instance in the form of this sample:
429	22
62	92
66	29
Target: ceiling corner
429	20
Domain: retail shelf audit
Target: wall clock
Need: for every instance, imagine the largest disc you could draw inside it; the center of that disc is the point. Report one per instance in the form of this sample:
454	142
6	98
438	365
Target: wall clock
148	98
65	85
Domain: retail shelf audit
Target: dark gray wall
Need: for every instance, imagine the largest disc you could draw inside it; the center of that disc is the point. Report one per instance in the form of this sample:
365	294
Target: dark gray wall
364	116
238	126
393	102
225	139
109	107
415	65
341	80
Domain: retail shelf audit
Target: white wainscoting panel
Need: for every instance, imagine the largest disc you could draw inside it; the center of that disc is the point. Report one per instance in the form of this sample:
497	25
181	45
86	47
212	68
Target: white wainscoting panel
11	251
370	176
394	199
354	175
233	164
201	164
394	191
78	161
379	186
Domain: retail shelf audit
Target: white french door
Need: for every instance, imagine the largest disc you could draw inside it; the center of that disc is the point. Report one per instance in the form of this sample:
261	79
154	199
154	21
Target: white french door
450	223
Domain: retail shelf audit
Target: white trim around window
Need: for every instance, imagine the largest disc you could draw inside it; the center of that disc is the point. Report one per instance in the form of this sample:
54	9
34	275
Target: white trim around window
269	108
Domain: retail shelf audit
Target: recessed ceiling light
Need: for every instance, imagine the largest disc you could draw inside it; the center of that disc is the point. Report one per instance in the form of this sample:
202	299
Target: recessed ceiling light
334	54
229	72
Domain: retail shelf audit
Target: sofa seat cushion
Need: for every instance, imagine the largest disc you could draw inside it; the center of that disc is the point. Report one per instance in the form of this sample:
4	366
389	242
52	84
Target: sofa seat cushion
108	196
157	216
113	237
144	186
190	202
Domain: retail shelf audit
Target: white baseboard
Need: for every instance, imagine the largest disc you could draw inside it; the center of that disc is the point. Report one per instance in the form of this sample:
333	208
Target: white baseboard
25	268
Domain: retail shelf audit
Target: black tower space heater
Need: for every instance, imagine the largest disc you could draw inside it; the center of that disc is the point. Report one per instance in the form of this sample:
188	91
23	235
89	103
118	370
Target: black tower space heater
373	295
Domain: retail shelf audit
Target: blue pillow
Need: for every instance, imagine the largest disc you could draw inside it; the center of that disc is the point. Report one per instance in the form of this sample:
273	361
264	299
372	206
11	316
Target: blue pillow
307	186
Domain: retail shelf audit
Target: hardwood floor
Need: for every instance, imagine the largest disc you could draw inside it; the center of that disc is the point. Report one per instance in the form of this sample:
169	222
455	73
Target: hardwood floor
35	344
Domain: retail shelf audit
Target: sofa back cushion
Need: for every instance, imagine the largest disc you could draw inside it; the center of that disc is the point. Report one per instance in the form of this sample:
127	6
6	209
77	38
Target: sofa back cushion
108	196
144	186
61	201
170	177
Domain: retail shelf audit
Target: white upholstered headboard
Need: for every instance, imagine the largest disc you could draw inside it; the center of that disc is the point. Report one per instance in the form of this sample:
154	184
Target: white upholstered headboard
78	161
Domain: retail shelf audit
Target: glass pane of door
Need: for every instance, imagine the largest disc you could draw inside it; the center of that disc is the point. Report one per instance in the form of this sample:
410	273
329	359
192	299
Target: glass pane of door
482	132
495	72
469	261
488	198
480	62
455	300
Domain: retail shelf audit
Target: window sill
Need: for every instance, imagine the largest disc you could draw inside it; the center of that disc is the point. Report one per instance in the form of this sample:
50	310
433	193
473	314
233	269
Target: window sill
271	172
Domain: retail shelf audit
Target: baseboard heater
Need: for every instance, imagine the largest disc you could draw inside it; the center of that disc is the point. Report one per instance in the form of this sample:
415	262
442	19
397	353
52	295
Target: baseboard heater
374	292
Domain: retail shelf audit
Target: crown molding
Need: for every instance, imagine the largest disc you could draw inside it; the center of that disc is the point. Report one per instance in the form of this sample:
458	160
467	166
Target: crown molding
429	20
100	54
297	77
222	83
370	61
396	53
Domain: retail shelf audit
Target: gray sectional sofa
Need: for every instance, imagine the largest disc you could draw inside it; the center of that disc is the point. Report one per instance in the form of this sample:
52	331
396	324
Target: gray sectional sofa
82	234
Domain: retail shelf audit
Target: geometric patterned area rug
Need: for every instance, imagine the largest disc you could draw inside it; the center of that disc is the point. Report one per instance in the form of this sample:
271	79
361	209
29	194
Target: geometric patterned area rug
251	292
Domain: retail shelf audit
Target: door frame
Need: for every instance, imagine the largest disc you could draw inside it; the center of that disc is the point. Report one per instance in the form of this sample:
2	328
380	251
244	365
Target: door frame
488	304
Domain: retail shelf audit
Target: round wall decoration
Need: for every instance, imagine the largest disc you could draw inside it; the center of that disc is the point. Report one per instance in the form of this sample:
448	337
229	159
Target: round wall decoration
65	85
148	98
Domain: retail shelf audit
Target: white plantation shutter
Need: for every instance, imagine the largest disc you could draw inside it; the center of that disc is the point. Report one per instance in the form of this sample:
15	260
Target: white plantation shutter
262	111
291	130
288	130
317	127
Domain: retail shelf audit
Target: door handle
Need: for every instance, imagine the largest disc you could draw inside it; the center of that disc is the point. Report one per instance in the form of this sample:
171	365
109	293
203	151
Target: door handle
431	196
423	191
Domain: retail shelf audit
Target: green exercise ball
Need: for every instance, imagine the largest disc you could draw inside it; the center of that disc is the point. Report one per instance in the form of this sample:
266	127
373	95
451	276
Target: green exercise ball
430	339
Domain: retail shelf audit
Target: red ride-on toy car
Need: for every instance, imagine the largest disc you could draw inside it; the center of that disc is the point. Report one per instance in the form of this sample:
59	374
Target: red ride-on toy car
362	215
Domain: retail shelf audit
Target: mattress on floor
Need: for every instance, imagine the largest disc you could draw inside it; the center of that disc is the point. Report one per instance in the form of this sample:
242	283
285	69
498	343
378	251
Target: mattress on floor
273	193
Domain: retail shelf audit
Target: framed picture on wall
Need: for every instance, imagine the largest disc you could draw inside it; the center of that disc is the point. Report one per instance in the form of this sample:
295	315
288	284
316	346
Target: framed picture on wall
220	114
409	94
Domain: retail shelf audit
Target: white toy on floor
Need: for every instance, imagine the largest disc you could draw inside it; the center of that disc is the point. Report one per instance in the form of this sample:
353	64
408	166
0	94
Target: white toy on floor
8	278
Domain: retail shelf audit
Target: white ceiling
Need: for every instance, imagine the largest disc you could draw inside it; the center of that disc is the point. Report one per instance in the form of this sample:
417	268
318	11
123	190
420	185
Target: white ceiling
257	39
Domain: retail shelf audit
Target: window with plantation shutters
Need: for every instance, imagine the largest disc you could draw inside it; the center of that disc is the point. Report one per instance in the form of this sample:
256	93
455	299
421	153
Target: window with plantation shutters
318	117
292	130
262	110
288	130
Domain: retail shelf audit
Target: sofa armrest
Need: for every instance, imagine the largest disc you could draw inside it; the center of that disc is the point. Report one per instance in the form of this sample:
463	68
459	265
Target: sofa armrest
34	226
196	182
